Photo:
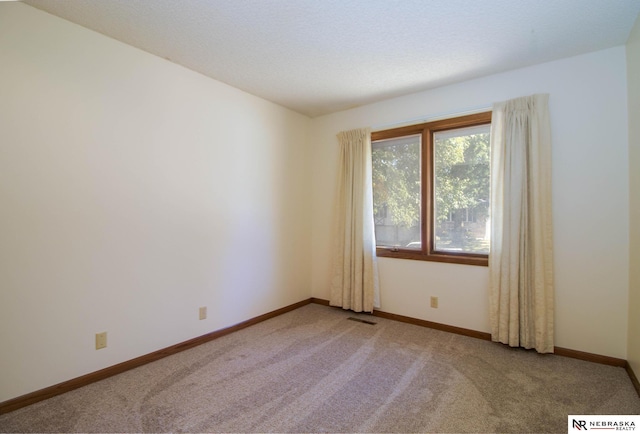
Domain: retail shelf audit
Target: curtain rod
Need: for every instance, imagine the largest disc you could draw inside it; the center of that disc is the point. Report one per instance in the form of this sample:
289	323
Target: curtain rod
433	117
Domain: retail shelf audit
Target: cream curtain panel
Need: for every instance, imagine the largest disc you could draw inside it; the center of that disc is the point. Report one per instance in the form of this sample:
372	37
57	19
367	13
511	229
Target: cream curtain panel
355	272
521	260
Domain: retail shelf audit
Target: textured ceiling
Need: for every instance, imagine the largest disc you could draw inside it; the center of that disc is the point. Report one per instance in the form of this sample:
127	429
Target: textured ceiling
321	56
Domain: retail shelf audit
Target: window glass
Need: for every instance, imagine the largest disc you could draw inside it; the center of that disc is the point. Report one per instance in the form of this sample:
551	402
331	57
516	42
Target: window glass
461	190
396	192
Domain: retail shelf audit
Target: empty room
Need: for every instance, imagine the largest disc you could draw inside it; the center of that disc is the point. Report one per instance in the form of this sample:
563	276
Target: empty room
319	216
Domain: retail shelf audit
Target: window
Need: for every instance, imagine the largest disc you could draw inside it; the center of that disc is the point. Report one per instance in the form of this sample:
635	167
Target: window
431	190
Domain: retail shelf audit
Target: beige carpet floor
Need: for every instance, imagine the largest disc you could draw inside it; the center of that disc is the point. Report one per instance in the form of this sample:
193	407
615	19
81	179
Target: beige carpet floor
314	370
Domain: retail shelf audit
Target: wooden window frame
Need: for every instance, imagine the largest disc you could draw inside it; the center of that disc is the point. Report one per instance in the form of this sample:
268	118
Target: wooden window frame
427	227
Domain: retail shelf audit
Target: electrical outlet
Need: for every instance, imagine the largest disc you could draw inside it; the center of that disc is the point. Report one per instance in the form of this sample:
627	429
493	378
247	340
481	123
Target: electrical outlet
203	312
434	302
101	340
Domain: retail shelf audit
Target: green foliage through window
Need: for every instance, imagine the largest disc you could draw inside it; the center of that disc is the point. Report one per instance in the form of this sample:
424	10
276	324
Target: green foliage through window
462	181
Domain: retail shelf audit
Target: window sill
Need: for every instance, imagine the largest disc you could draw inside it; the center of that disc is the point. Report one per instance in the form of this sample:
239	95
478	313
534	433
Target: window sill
452	258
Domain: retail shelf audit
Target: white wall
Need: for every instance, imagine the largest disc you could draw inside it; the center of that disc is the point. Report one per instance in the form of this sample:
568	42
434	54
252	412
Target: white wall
590	198
633	76
133	191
